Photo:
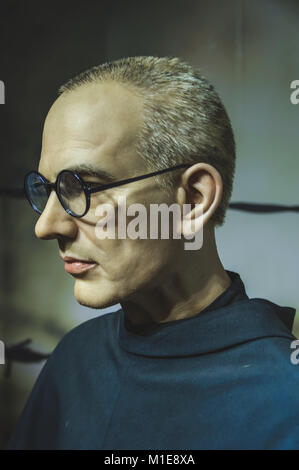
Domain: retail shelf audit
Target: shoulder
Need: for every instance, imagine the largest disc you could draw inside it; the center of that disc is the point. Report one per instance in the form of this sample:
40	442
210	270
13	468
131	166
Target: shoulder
271	371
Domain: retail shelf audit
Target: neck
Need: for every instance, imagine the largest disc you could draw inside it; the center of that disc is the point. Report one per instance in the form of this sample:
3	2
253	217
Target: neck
183	289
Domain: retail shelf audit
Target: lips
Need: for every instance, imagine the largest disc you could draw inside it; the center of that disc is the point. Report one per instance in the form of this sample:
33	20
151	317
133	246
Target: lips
76	266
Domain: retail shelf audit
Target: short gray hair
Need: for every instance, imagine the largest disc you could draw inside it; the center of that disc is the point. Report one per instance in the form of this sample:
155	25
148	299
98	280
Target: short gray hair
184	118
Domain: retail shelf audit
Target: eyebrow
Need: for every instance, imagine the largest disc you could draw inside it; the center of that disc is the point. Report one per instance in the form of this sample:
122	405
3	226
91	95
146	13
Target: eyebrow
86	169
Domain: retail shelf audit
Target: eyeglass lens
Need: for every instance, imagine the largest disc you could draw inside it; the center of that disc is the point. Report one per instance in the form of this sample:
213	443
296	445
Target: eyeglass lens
71	193
37	192
70	190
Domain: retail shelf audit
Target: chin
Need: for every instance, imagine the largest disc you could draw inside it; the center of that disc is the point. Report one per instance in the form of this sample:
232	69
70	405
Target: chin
96	305
94	296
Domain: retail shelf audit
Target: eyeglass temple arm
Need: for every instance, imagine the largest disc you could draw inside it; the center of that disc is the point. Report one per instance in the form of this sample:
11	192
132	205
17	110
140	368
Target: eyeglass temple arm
136	178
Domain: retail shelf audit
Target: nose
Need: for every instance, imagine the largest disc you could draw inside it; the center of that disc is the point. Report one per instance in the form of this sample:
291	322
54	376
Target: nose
54	221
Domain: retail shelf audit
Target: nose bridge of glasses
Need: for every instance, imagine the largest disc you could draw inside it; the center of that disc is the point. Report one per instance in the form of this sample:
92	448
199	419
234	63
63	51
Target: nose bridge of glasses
50	187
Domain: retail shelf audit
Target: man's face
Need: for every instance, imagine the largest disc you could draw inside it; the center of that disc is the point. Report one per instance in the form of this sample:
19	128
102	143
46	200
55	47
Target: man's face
98	125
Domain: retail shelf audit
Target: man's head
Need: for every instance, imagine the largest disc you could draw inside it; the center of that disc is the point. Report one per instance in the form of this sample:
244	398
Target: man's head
127	118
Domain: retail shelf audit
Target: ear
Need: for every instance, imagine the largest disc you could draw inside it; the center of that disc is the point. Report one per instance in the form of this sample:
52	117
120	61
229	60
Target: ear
199	195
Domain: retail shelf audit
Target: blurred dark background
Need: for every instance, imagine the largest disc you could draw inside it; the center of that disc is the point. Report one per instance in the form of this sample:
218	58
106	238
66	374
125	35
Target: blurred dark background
247	48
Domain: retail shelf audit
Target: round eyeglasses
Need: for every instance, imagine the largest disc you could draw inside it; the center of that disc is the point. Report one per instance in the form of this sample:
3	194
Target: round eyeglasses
72	191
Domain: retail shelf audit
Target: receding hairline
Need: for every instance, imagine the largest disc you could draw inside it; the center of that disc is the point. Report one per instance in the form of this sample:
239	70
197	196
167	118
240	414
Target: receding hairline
86	95
97	83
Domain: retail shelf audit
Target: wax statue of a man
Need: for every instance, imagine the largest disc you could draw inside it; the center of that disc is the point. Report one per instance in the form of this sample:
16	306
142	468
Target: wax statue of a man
189	362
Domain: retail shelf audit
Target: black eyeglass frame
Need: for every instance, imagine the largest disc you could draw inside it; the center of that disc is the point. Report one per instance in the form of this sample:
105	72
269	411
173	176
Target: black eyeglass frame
88	190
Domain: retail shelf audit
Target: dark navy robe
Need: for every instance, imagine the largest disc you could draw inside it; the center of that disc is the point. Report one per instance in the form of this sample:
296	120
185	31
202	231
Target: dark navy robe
222	379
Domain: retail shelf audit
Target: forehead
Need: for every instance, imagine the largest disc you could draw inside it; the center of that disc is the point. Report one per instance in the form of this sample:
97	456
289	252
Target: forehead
93	124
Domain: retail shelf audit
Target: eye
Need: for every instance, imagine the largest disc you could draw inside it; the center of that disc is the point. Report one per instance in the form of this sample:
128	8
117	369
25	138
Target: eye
70	190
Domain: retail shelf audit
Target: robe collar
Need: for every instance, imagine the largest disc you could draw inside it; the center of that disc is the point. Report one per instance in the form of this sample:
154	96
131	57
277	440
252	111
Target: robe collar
231	319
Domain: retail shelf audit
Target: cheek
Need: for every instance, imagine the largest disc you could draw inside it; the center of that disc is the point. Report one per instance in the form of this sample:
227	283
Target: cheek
123	261
134	262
